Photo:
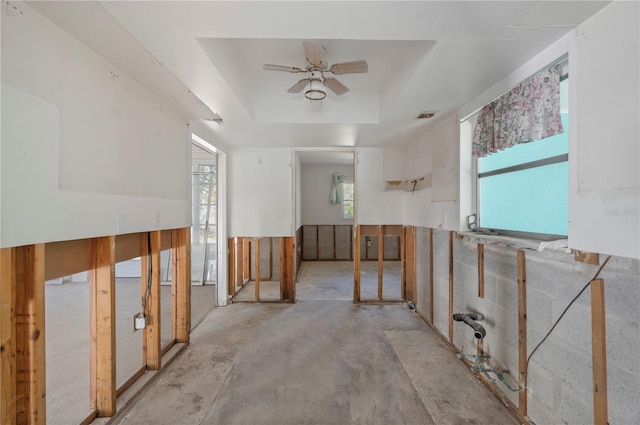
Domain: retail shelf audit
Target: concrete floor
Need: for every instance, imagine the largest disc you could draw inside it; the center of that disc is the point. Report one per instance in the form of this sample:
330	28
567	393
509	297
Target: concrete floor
318	361
325	280
67	341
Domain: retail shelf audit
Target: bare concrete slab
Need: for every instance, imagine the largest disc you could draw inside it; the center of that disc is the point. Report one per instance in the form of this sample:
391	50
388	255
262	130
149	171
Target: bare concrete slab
448	389
316	362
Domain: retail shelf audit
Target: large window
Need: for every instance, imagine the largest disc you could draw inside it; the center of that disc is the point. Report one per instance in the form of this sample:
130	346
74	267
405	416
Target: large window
525	188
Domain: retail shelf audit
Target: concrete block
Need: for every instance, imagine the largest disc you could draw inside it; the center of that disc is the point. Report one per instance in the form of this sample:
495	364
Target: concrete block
623	347
623	390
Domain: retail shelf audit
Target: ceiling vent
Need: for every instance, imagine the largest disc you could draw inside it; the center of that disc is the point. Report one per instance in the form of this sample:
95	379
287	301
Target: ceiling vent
425	115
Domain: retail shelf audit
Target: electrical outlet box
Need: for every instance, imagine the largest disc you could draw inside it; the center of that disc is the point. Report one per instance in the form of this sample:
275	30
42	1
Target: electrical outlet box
139	322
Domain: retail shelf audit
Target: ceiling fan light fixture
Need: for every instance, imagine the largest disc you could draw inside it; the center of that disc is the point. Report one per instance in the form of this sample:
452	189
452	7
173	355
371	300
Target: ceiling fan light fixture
315	90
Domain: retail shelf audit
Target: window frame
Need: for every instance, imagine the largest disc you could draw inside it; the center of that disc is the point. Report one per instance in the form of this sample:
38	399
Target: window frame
351	200
476	219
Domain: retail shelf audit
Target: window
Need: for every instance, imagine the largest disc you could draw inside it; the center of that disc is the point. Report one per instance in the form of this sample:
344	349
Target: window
347	201
525	188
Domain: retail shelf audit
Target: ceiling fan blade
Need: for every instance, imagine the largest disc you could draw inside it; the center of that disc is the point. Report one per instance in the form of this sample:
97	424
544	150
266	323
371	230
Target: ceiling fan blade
336	86
268	67
355	67
314	53
297	87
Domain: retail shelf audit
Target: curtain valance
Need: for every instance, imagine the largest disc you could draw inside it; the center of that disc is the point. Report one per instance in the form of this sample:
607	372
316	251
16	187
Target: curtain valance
530	111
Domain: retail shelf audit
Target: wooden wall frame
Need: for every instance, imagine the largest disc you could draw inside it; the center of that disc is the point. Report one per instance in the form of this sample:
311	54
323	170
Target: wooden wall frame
522	331
150	243
181	284
102	285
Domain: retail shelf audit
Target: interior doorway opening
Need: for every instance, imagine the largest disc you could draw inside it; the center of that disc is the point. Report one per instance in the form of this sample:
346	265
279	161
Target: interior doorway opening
326	205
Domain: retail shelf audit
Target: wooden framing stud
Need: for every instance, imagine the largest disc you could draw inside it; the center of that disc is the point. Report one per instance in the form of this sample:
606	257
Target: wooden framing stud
522	331
431	303
287	272
599	352
7	337
151	339
246	260
410	267
451	287
256	260
480	270
356	264
103	337
181	284
239	263
587	257
380	260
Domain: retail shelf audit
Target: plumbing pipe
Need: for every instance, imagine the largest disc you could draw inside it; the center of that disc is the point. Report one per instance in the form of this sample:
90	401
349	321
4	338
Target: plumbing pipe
470	319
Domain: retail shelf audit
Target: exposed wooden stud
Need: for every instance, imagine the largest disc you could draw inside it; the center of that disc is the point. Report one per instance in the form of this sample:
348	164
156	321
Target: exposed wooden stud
599	352
451	287
151	339
270	239
239	261
431	303
356	264
231	261
587	257
481	270
522	330
380	260
181	284
104	304
403	264
257	269
479	347
287	273
7	337
317	242
334	243
410	243
246	259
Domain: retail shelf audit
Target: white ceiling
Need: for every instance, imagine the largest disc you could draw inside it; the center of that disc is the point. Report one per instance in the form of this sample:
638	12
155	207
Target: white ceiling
422	56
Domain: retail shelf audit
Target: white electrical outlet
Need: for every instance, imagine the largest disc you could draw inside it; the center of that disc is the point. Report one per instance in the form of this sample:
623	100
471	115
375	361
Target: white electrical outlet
139	322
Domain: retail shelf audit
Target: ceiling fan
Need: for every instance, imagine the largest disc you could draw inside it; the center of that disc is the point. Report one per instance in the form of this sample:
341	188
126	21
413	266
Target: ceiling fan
317	67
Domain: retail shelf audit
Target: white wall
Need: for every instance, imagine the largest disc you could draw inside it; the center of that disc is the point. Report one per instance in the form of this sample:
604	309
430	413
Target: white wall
435	155
298	191
374	205
604	201
86	151
260	196
316	191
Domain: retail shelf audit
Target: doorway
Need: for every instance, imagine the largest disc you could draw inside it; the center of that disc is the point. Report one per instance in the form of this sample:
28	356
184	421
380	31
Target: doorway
325	203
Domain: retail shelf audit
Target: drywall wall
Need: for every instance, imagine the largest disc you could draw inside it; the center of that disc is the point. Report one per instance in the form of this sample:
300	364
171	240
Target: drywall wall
86	151
316	191
604	197
604	194
560	375
434	154
260	192
373	204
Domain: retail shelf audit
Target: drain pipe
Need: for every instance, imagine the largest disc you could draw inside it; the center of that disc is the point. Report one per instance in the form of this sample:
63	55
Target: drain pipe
470	319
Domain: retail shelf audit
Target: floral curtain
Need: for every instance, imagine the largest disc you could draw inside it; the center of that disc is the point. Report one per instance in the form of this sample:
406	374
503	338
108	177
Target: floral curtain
530	111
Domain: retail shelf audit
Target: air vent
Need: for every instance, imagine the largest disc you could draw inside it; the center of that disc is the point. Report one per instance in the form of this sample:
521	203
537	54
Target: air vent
425	115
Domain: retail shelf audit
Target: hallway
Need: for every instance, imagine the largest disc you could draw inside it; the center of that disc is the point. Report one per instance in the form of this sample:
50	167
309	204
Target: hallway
316	362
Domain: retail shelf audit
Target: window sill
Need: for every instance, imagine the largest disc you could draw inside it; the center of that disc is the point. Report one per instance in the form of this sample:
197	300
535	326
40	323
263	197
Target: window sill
559	245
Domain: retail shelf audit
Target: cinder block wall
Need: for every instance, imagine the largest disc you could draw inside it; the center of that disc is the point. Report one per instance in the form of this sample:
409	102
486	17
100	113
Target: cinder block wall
560	374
